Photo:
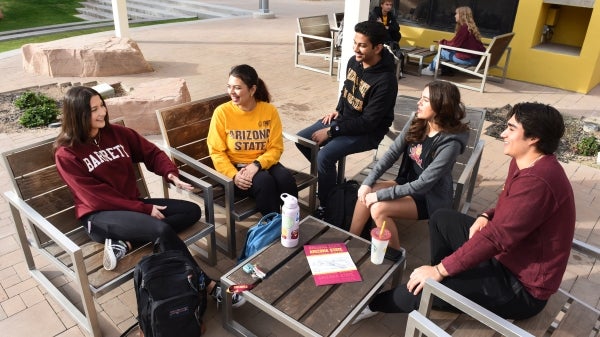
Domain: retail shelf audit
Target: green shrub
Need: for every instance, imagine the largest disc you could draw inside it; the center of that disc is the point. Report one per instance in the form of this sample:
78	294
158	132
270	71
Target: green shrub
588	146
38	109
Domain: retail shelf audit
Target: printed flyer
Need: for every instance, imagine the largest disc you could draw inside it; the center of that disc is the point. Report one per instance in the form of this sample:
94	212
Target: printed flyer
330	263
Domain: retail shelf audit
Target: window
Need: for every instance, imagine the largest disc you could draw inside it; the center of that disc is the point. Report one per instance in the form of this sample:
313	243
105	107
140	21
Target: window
492	17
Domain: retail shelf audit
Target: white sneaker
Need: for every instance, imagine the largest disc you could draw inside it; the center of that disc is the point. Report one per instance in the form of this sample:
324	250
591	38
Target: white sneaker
426	71
113	252
366	313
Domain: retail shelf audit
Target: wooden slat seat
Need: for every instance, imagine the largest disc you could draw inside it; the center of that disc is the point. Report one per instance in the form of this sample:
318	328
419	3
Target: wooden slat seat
184	128
42	209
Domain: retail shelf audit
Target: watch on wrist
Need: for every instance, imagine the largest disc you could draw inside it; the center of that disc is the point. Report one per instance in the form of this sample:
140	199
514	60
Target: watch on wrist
257	163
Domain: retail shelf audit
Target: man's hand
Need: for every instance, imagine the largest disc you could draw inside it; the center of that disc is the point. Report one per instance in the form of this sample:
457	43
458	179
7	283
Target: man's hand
478	225
419	275
327	119
320	136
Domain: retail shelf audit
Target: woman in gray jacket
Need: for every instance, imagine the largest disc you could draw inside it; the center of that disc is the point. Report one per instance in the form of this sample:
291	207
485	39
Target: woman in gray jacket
430	143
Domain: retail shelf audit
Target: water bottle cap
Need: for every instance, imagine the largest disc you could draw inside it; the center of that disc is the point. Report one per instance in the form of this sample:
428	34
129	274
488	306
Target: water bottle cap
288	199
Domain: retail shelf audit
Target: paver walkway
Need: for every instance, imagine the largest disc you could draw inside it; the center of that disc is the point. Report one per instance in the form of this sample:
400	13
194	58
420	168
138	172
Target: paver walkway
202	53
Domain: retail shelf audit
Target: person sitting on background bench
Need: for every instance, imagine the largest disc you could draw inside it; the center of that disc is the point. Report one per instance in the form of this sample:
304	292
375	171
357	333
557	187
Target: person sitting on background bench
384	13
364	112
428	147
467	37
509	259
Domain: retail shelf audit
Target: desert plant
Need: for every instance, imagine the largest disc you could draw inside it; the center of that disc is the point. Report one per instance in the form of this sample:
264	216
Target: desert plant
588	146
38	109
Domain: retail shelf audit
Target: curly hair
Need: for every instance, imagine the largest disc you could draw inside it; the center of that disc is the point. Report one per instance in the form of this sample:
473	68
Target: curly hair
465	17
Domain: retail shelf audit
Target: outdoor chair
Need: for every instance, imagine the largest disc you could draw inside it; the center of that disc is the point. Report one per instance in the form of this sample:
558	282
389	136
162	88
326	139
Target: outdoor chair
564	314
184	128
315	39
490	59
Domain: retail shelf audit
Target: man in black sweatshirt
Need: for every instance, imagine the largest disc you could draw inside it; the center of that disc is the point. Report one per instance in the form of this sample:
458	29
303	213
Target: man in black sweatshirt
365	109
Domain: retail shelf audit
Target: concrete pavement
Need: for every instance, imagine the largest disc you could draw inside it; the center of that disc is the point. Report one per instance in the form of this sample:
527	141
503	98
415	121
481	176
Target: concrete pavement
202	53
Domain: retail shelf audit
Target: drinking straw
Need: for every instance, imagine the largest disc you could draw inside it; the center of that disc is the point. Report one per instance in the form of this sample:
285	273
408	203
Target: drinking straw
382	228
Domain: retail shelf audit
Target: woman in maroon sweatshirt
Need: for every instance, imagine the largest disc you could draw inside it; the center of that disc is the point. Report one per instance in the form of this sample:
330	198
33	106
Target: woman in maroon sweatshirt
467	37
96	160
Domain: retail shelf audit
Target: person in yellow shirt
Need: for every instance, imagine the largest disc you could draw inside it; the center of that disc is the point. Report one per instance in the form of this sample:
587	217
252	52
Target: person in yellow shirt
245	141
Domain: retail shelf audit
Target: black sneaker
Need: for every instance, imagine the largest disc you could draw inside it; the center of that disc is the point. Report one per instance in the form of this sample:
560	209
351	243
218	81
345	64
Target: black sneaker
113	252
237	300
319	213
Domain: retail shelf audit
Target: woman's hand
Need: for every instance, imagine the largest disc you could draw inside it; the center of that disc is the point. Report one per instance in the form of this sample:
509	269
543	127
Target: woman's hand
243	179
419	275
363	190
156	212
180	184
478	225
370	199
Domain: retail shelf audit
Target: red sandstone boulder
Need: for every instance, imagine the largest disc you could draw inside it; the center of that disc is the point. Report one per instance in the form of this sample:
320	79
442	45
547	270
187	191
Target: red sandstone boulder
99	57
138	109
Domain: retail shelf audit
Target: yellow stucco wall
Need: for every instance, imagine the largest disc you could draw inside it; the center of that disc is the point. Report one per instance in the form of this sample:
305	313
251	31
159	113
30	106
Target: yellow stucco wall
575	26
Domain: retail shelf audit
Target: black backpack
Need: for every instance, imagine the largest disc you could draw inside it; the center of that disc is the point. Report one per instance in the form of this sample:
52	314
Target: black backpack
340	206
171	295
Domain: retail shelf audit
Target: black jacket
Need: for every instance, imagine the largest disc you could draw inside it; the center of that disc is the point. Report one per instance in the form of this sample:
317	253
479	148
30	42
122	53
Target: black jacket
393	27
366	104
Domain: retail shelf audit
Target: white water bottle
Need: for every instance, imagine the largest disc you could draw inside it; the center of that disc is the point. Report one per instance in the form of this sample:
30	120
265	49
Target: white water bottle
290	216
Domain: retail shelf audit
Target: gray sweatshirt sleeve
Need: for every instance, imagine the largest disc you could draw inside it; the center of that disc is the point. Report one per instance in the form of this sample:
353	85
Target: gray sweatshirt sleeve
442	164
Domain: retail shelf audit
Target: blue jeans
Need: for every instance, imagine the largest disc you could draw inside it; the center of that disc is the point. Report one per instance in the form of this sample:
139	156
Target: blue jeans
449	55
330	153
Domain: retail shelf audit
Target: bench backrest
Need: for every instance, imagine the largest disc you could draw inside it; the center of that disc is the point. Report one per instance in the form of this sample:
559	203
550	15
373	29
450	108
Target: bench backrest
496	49
36	181
185	127
317	26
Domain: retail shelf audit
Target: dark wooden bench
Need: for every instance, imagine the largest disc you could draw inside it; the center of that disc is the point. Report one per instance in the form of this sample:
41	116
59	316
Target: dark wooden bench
184	128
564	315
43	200
464	173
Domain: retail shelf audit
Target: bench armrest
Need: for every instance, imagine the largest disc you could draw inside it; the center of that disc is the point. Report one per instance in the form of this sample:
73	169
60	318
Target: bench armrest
468	177
314	149
463	50
433	288
41	223
586	248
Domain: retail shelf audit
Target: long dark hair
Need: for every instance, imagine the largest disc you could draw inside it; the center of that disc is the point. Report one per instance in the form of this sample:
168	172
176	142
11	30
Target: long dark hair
444	98
76	117
249	76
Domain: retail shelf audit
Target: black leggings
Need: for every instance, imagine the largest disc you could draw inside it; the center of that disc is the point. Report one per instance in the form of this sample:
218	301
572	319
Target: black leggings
267	186
489	284
141	228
